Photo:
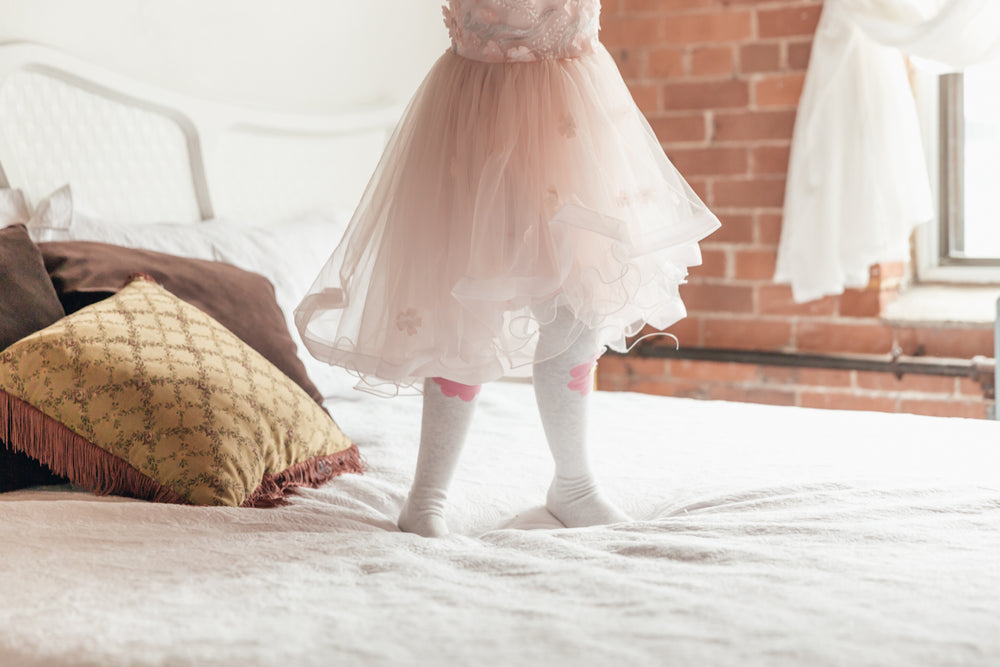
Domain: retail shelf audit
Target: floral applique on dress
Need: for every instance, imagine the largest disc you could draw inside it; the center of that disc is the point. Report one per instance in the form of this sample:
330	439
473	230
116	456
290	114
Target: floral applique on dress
409	321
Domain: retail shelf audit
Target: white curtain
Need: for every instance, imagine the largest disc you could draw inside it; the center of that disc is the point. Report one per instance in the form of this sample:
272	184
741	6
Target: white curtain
857	182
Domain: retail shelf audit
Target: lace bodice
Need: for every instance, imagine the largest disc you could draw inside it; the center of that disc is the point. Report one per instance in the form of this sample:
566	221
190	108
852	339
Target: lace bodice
522	30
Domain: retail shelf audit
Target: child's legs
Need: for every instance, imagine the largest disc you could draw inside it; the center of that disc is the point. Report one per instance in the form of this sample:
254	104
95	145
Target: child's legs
448	409
562	388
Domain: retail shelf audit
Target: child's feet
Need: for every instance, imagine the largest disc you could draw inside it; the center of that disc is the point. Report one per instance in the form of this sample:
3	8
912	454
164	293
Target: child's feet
426	521
578	502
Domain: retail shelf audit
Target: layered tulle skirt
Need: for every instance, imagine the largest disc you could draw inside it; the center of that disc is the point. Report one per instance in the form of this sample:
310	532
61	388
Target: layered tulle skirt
508	191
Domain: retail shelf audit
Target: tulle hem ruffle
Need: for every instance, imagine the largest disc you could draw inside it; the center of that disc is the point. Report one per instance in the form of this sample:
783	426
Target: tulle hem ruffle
507	192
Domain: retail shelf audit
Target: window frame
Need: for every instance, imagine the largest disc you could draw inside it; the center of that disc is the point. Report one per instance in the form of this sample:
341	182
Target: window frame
937	244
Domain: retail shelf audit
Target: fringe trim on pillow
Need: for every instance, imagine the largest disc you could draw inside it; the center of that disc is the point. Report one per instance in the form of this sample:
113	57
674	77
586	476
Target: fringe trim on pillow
275	489
27	429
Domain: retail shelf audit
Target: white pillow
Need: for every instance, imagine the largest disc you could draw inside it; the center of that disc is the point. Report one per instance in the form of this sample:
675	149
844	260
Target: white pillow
290	254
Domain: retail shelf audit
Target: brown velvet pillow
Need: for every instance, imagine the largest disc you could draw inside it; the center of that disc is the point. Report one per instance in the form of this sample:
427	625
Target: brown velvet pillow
85	272
28	302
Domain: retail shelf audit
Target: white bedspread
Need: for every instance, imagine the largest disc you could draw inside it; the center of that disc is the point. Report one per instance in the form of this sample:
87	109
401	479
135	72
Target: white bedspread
763	536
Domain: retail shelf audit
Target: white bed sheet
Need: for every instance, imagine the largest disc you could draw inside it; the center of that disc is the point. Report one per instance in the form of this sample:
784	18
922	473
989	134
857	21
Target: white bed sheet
763	536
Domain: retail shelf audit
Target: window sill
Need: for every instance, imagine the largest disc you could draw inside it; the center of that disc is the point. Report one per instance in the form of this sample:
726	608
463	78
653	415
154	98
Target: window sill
959	275
944	304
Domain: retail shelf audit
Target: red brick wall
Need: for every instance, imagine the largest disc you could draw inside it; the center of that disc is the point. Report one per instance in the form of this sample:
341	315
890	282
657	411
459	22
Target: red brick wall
719	81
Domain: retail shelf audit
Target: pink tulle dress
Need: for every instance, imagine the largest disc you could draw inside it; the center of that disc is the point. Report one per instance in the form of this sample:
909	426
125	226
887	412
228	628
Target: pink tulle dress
521	179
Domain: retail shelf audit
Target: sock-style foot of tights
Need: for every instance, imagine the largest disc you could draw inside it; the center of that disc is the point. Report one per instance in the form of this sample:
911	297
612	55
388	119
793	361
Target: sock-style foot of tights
448	409
562	389
563	380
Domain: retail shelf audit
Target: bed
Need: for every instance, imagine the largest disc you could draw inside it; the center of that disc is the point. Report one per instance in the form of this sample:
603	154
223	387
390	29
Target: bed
761	536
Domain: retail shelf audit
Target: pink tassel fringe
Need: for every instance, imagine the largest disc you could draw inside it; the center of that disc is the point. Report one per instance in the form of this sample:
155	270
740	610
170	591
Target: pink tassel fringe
26	429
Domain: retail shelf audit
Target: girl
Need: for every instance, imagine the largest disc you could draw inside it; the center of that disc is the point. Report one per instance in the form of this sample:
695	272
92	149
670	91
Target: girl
522	218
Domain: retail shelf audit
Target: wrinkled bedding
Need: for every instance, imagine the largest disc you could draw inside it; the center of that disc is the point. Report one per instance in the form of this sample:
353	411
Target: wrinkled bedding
762	536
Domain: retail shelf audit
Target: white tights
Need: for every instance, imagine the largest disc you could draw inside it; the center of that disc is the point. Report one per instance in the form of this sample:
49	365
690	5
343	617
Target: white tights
562	387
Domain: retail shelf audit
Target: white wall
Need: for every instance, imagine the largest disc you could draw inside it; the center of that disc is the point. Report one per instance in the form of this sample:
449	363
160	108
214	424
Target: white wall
281	55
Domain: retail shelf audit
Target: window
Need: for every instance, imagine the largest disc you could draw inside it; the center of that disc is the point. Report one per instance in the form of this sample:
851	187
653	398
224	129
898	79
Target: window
961	118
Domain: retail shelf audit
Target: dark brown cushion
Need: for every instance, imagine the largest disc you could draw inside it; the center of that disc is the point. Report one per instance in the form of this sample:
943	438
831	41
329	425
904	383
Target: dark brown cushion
85	272
28	302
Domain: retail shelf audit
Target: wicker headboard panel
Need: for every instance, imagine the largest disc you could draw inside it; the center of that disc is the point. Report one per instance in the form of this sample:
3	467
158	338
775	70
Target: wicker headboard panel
135	153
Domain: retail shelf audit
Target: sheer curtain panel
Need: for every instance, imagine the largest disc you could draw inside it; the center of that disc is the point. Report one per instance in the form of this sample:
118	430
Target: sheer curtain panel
857	181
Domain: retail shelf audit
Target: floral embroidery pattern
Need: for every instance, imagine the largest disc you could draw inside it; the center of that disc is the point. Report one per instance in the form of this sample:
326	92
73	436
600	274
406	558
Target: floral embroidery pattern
551	199
463	391
583	376
495	31
520	54
451	22
409	321
567	126
639	197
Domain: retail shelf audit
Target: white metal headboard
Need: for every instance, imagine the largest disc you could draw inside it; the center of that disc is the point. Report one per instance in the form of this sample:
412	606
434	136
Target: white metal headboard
136	153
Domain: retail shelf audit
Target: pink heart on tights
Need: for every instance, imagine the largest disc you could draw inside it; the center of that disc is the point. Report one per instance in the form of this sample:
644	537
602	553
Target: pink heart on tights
583	380
463	391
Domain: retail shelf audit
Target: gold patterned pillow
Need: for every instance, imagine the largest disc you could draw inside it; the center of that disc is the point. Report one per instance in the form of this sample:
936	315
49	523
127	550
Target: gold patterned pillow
144	395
